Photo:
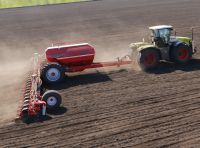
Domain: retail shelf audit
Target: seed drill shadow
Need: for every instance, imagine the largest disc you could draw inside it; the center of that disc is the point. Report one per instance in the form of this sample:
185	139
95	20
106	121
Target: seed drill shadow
59	111
48	116
83	79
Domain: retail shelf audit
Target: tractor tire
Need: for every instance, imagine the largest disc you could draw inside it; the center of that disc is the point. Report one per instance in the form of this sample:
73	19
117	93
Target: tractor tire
52	98
181	54
148	59
52	73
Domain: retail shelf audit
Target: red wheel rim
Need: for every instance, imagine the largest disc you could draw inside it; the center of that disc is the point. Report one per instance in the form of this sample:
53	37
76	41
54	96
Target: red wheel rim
183	54
150	59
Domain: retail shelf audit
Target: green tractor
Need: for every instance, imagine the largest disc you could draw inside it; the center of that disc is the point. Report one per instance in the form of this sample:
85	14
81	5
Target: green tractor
163	47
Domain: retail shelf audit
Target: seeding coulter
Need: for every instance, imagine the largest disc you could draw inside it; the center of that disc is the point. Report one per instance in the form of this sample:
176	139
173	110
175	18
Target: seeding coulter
63	59
35	101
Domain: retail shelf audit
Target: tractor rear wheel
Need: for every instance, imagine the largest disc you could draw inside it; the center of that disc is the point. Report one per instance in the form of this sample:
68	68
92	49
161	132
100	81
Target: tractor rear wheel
52	73
52	98
181	54
148	59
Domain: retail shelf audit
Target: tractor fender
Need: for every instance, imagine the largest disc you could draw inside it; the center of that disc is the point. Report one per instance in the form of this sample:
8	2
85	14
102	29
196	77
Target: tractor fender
185	40
141	48
176	44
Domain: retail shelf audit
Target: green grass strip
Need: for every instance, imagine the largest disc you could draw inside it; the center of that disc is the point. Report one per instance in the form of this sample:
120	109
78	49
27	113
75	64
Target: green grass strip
25	3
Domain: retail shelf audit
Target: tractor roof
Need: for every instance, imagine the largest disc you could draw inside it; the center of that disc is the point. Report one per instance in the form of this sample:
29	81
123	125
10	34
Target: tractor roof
161	27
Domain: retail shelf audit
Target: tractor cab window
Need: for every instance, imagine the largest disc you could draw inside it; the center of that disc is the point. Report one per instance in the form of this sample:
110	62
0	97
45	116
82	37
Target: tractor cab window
165	34
161	37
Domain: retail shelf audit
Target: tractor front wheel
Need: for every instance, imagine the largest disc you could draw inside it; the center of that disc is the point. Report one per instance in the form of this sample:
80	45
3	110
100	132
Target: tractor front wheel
52	73
52	98
181	54
148	59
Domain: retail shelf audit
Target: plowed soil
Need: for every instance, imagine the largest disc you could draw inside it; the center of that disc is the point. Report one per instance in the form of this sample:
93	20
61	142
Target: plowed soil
106	107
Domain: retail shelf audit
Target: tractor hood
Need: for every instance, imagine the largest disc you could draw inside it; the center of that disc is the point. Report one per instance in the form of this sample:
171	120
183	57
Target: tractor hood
140	45
186	40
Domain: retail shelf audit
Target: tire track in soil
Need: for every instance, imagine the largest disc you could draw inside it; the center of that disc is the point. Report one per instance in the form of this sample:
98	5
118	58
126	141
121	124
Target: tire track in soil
190	142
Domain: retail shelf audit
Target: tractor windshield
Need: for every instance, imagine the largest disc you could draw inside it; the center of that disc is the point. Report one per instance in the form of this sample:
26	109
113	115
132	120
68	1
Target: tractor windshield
165	34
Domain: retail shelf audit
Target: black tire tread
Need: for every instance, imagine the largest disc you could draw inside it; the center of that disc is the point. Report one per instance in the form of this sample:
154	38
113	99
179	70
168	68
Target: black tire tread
173	53
50	65
55	93
139	59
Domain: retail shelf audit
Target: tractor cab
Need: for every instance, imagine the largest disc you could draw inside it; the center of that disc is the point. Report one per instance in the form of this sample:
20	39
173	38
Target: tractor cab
161	35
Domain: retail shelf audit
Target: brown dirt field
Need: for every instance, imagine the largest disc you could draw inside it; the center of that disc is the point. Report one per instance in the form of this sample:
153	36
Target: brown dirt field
103	108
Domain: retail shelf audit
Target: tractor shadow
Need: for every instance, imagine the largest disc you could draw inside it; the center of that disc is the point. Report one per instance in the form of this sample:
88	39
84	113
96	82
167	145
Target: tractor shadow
82	79
166	67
